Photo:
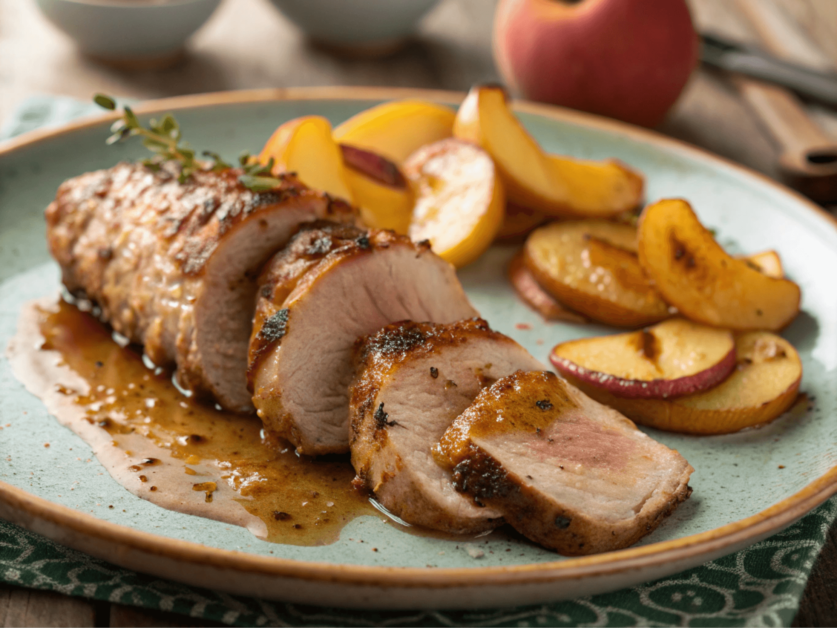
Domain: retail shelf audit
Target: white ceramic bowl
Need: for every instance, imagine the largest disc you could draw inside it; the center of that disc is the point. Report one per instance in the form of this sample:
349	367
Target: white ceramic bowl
125	30
358	24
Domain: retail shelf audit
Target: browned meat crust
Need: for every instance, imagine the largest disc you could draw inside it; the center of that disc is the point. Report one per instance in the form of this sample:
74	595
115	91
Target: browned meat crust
332	286
565	471
283	272
412	380
173	266
378	355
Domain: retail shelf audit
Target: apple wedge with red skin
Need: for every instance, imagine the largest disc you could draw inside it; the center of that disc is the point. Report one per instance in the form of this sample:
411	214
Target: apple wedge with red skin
373	165
531	293
764	385
674	358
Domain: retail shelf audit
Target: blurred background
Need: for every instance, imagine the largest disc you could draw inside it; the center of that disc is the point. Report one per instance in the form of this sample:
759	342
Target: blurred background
246	44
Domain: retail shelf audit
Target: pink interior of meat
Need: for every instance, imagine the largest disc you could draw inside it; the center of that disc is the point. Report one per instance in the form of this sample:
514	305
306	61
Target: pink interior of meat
581	441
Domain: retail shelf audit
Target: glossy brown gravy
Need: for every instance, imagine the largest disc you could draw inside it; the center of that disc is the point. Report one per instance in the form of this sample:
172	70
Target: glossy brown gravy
173	451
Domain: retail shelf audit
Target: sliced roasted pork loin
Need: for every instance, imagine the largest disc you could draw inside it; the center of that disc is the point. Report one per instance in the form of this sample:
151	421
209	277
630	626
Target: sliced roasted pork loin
412	380
304	251
309	316
173	265
565	471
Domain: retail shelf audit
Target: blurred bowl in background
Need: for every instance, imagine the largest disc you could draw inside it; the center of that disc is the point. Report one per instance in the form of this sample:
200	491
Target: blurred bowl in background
137	34
356	27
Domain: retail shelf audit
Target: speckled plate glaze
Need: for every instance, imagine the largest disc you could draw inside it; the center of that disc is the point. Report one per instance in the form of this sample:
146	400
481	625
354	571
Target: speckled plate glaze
742	493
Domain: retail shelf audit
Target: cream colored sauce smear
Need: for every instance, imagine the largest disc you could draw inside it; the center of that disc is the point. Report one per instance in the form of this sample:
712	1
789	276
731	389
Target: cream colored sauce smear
173	451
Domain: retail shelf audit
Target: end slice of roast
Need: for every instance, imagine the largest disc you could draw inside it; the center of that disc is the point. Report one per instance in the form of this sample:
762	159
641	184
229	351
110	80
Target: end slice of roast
413	380
565	471
308	319
173	266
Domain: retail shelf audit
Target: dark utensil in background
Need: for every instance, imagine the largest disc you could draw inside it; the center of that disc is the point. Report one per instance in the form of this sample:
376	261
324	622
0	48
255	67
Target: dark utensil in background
807	156
731	56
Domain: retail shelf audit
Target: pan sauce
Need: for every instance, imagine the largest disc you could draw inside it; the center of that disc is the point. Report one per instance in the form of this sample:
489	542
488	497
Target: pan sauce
175	452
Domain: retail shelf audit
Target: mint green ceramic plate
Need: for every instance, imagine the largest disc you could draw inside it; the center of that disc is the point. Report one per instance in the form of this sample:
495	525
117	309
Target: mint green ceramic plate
741	491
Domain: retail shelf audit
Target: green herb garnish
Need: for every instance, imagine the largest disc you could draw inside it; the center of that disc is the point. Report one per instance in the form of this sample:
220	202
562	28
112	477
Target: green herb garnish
164	139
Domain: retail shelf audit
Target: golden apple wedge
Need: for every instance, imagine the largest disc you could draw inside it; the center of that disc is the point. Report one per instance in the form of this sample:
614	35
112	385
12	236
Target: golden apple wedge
381	191
591	267
556	185
381	206
305	146
397	129
459	199
696	275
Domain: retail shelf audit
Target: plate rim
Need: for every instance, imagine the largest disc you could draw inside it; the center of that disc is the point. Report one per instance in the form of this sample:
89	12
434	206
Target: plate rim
28	508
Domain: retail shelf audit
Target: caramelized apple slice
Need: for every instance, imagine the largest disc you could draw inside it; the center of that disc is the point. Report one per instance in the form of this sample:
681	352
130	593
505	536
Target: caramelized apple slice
305	146
379	188
671	359
767	263
518	222
700	279
595	189
763	385
459	199
397	129
592	268
555	185
537	298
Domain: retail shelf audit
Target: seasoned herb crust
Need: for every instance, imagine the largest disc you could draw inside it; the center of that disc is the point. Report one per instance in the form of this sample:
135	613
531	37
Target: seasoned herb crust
173	265
337	283
565	471
411	381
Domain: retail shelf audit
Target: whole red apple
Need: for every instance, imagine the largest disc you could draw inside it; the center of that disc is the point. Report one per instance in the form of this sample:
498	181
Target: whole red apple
627	59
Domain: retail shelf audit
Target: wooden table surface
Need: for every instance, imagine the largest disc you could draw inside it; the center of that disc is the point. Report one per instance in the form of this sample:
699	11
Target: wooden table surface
247	44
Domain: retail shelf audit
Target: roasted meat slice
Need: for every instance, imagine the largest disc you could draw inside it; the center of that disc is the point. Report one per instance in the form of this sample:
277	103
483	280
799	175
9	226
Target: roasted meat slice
302	343
412	381
306	249
173	265
564	470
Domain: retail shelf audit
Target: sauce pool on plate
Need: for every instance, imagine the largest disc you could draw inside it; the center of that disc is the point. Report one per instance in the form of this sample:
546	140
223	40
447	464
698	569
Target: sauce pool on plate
174	451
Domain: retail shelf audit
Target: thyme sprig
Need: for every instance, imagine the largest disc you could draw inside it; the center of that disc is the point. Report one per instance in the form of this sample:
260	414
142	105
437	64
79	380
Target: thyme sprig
164	138
257	176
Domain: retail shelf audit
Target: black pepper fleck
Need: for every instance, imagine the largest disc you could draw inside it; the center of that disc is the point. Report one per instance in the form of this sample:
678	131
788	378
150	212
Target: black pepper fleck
382	418
276	326
363	242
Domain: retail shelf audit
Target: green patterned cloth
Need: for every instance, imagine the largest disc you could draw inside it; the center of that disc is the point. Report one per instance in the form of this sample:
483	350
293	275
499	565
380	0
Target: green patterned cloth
759	586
